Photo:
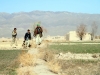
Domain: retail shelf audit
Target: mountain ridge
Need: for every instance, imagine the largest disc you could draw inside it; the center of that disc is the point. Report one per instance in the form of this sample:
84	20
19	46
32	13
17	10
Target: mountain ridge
56	23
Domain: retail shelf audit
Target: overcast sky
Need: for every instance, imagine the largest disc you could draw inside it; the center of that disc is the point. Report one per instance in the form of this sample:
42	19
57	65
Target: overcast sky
77	6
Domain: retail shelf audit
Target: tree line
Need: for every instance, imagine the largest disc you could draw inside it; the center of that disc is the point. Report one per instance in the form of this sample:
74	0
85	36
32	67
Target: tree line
82	29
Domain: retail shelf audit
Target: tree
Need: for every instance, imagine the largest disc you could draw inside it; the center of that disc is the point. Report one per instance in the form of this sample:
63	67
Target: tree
81	31
93	30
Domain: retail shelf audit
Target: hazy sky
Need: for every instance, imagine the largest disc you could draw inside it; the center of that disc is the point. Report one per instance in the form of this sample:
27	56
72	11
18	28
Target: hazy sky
78	6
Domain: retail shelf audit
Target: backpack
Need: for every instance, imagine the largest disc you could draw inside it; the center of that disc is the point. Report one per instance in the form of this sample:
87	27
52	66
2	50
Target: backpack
38	30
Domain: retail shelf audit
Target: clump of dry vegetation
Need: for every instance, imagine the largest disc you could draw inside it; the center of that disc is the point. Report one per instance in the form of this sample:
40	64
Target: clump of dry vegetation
46	55
49	57
25	71
95	56
27	59
54	66
4	41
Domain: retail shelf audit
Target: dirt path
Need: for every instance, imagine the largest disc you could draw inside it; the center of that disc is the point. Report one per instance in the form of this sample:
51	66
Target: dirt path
40	68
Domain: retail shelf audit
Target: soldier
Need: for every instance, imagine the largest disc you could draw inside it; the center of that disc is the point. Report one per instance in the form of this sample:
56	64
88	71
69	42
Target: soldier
38	34
14	35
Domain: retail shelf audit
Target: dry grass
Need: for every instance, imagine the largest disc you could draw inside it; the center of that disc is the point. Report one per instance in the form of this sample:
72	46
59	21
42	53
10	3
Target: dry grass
4	41
46	55
95	56
27	59
33	45
52	63
70	67
54	66
25	71
80	67
49	57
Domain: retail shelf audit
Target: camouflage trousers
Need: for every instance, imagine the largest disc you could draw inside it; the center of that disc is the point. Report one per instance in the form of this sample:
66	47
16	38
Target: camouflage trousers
14	41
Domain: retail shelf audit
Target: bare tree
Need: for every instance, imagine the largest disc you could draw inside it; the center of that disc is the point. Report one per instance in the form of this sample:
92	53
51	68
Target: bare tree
81	31
93	30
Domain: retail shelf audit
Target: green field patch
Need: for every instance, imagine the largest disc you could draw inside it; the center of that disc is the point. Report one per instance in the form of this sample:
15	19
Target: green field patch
8	61
77	48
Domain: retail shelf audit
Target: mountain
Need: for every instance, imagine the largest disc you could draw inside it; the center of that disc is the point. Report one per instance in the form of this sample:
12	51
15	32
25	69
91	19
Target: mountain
56	23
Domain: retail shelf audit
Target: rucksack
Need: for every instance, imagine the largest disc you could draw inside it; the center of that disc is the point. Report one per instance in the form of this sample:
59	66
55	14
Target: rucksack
38	30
